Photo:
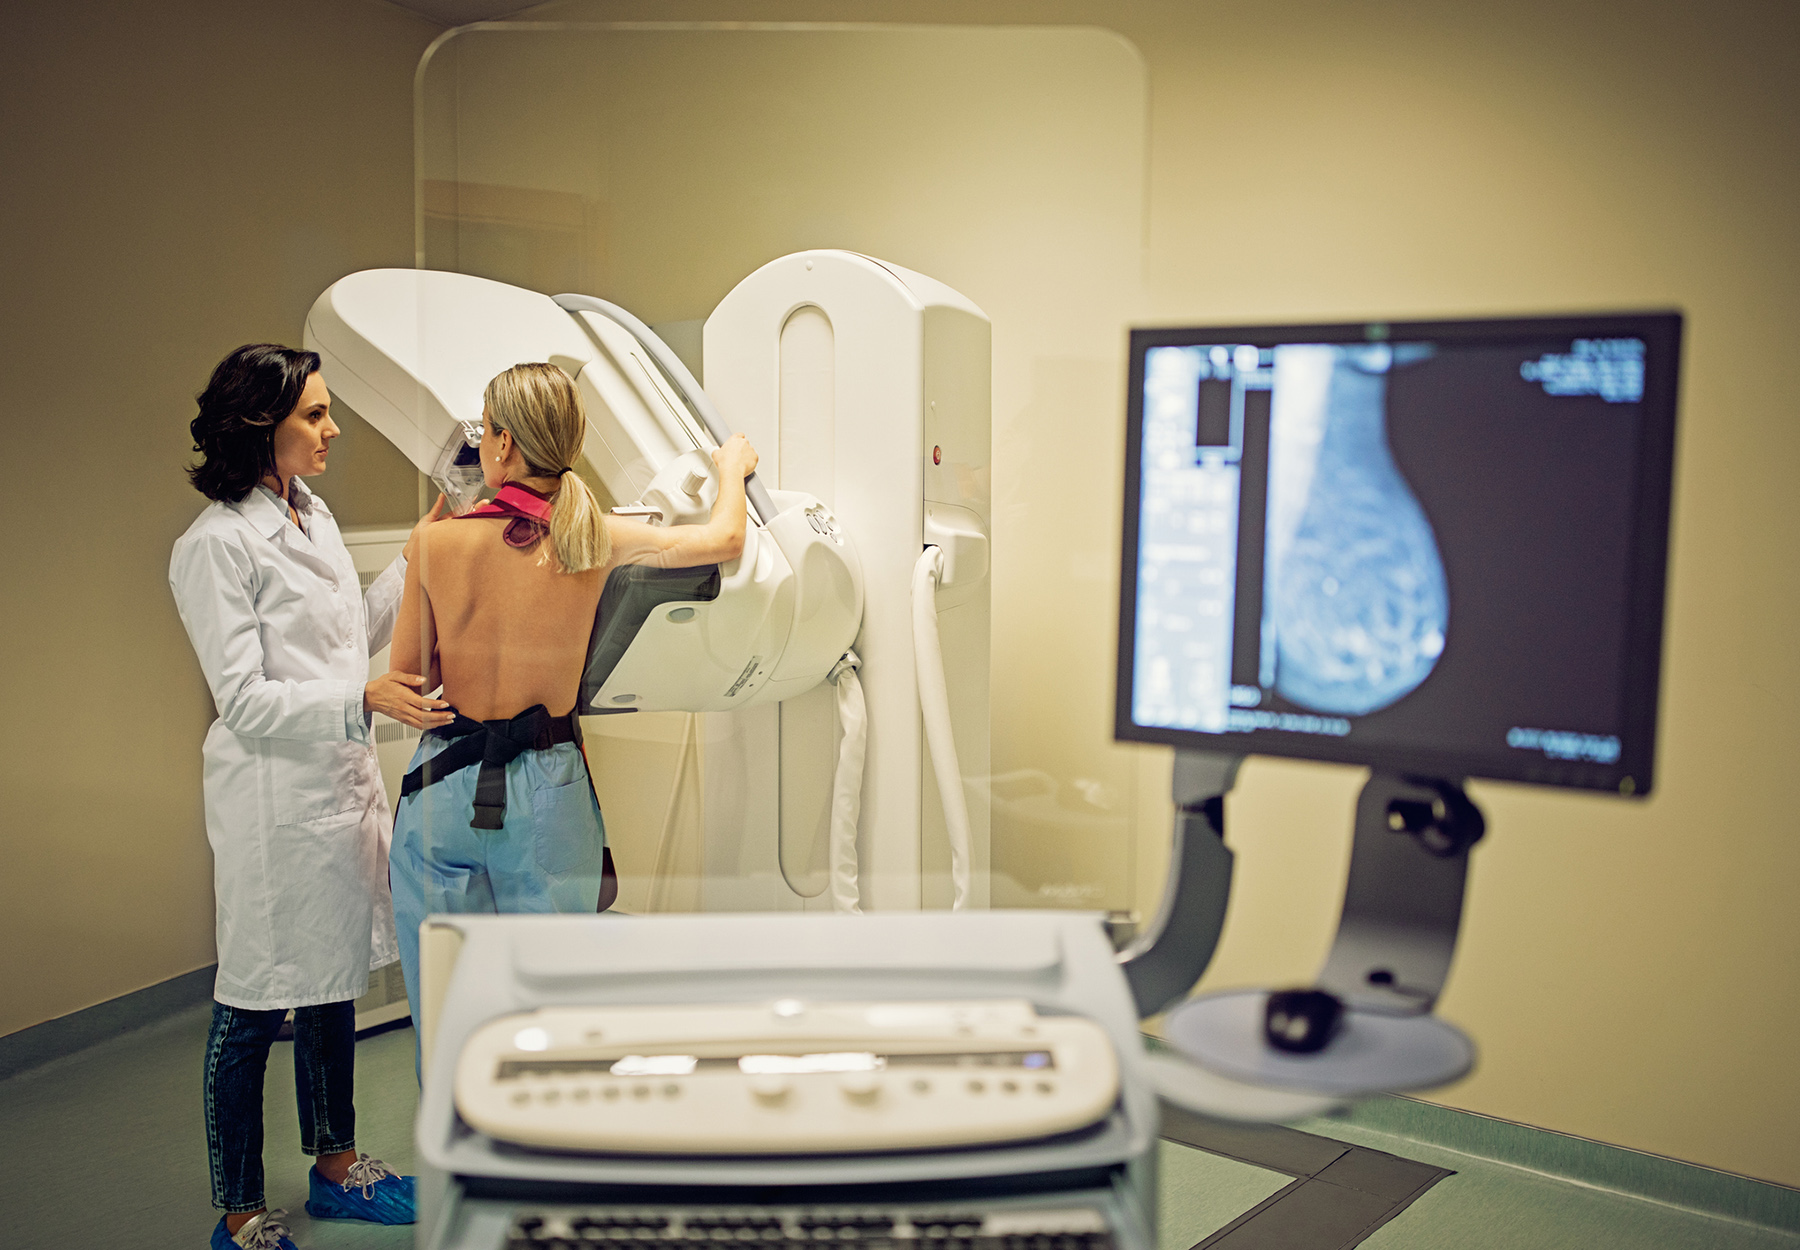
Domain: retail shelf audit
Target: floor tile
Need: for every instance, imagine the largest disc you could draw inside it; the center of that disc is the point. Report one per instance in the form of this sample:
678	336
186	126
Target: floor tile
1200	1193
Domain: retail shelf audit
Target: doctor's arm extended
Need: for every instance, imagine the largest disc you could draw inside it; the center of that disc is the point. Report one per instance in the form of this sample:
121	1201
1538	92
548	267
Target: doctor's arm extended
719	540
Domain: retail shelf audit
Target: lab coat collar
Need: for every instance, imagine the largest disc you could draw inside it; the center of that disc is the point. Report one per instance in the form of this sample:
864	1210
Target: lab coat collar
264	509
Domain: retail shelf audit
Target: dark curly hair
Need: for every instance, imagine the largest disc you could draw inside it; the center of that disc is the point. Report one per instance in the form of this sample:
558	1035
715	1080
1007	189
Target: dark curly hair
251	392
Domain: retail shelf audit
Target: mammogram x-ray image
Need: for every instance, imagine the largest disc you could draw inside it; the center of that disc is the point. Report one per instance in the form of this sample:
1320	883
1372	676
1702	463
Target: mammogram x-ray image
1357	604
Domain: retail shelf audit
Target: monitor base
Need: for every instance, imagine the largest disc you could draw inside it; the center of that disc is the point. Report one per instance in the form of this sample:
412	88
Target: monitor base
1371	1053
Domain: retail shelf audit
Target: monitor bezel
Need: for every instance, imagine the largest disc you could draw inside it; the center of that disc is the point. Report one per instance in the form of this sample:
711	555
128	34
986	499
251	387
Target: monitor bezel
1633	774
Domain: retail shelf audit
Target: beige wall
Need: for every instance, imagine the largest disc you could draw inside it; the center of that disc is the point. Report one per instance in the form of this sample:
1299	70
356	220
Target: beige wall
179	178
1628	968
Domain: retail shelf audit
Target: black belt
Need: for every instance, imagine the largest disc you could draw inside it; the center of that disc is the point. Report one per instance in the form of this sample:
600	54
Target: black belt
493	744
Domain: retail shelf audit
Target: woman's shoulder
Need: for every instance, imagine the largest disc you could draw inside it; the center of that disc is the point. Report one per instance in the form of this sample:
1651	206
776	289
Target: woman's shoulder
219	541
458	532
218	522
459	540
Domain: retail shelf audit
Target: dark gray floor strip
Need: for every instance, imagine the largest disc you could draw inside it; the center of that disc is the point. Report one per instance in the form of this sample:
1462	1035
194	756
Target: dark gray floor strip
1340	1194
78	1030
1265	1145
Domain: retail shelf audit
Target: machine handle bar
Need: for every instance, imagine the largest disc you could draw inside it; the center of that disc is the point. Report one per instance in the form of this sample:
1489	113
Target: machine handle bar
684	381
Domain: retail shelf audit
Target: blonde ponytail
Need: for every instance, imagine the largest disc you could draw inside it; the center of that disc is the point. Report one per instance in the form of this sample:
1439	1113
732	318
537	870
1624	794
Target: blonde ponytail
541	407
578	527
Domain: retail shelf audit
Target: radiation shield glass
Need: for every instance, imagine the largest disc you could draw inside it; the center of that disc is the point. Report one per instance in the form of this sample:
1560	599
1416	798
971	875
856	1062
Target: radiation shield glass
656	168
1433	547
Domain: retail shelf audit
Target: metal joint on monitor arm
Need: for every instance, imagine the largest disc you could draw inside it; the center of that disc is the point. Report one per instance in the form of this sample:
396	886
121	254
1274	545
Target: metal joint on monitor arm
1409	863
1163	964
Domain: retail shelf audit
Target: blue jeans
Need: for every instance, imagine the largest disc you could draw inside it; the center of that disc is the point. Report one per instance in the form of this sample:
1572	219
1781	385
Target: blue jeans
237	1053
546	859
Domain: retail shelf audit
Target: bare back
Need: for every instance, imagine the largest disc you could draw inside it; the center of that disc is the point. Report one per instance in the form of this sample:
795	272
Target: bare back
511	630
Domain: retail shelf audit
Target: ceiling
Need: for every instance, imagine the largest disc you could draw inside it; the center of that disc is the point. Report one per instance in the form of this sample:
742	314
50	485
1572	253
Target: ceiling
458	12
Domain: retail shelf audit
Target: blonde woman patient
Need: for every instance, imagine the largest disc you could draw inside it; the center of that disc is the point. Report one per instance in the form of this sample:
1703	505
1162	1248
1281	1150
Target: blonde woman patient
497	814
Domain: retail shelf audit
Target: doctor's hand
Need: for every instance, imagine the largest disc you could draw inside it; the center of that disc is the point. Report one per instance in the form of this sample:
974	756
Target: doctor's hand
438	511
735	456
397	695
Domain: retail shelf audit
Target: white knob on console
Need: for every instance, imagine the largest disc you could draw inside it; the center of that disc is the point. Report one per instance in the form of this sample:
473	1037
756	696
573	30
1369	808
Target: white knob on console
860	1086
770	1087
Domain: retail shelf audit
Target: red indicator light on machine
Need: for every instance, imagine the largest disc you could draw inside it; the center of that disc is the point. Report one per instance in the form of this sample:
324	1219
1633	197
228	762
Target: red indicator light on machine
937	455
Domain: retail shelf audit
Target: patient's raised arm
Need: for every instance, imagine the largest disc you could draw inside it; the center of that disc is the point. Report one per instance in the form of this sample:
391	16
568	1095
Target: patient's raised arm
720	539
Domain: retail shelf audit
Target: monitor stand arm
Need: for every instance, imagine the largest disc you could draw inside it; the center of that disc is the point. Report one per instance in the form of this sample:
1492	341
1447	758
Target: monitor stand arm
1403	900
1402	909
1163	964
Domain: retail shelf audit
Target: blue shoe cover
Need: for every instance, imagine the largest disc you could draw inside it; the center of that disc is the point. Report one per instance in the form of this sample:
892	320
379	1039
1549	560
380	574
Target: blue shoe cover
268	1233
371	1192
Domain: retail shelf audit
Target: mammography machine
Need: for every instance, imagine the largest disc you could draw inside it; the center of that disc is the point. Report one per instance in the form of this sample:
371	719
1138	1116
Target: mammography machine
864	388
1436	549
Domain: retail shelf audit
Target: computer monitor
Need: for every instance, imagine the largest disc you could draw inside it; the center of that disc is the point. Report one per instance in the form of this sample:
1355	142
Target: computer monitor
1435	548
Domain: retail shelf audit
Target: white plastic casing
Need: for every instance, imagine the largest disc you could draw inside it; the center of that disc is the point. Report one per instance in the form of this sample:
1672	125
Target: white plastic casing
784	1077
786	610
411	350
868	386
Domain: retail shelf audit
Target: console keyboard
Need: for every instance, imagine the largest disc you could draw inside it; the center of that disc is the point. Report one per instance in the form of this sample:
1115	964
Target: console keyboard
1078	1228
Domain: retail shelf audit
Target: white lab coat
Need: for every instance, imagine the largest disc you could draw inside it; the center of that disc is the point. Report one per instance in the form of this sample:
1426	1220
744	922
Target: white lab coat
295	809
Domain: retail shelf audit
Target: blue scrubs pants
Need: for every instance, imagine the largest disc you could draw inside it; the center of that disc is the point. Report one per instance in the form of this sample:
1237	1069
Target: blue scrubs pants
546	859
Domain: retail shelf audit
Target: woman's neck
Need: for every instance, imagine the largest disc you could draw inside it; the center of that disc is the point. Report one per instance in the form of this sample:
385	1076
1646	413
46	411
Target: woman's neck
545	486
276	486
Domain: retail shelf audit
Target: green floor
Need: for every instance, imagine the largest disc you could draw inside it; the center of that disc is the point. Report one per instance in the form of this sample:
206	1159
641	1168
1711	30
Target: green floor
106	1148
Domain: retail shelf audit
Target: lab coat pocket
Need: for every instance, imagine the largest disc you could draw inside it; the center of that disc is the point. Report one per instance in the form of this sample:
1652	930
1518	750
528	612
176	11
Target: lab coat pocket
312	780
568	835
319	898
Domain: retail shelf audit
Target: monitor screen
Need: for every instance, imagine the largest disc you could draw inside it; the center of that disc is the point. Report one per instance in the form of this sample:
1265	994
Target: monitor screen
1429	547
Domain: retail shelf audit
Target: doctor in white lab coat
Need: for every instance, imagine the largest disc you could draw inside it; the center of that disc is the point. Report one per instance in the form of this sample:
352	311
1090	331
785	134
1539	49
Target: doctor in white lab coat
295	810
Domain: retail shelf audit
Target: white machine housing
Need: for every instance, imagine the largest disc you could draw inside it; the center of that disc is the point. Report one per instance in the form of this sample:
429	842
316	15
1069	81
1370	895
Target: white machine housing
411	351
867	386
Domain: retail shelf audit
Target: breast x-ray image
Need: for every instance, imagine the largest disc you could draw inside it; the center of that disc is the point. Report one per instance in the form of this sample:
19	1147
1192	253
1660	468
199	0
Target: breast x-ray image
1357	607
1416	539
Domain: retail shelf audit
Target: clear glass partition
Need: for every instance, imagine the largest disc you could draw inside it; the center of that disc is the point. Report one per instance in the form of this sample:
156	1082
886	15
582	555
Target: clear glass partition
658	166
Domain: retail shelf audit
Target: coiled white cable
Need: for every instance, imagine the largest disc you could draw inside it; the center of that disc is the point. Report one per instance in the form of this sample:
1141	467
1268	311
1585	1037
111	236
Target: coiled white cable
846	784
934	709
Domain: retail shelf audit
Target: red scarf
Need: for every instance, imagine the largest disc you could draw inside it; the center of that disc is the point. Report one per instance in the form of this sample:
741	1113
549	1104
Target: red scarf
530	513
